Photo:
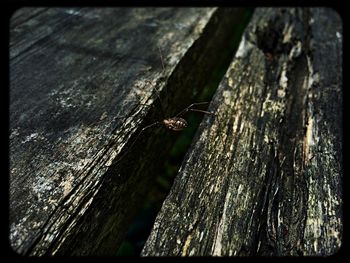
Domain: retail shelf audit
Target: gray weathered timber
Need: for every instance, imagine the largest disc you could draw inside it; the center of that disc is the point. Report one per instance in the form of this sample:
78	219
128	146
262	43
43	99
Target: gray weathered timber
83	83
264	176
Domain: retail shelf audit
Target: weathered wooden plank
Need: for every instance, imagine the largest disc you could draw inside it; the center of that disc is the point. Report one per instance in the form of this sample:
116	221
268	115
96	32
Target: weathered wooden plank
67	89
21	15
81	85
264	176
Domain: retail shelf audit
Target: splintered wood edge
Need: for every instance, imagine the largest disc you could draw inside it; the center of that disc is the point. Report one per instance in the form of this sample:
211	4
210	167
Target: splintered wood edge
64	213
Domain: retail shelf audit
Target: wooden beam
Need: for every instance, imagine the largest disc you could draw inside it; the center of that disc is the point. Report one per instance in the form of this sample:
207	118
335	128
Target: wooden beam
264	176
83	83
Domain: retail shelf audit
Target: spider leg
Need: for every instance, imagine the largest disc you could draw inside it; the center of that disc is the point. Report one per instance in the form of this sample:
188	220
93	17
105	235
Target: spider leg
203	111
138	135
192	105
158	95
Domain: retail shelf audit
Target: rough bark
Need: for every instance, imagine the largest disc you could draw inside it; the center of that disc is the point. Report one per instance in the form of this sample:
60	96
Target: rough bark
82	83
264	176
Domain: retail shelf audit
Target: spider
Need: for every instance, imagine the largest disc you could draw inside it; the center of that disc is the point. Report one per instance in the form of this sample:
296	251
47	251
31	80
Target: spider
176	123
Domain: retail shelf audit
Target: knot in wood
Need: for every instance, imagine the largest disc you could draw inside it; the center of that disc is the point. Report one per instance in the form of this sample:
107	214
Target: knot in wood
175	123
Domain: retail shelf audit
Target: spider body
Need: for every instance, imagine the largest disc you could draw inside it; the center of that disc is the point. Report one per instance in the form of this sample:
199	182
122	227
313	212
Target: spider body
175	123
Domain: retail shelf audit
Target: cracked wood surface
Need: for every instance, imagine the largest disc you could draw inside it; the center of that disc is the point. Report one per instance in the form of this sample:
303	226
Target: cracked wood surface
81	83
264	176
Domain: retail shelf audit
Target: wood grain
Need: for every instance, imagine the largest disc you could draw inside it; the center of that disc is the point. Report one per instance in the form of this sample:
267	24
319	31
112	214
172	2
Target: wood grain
83	83
264	176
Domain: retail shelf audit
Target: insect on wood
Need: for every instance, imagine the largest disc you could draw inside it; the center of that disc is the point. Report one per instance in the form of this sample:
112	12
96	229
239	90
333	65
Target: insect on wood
175	123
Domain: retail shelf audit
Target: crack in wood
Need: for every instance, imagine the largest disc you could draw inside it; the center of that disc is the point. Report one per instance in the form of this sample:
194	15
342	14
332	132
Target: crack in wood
263	137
